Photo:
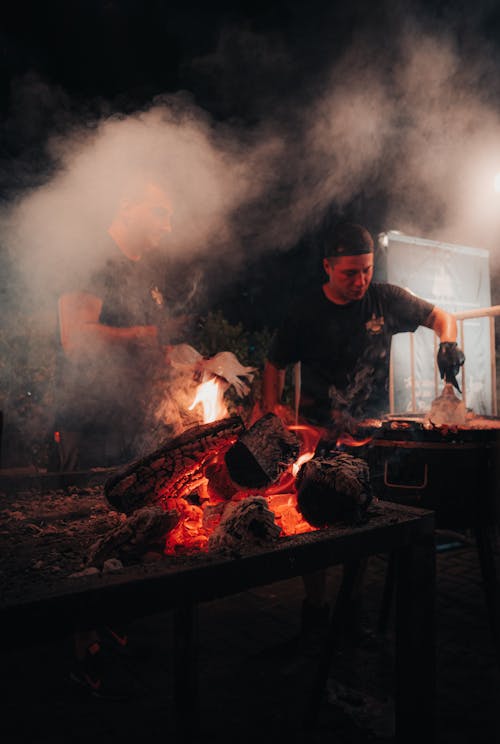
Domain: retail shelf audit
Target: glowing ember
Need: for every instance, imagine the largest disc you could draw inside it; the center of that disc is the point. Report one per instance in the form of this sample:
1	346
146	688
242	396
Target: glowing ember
210	395
214	490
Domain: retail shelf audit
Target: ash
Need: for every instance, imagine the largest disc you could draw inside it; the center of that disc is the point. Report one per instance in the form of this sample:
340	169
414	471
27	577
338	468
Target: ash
45	537
245	524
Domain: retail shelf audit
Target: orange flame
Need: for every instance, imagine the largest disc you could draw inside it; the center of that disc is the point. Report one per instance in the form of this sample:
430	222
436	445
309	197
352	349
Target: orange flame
210	395
309	436
349	440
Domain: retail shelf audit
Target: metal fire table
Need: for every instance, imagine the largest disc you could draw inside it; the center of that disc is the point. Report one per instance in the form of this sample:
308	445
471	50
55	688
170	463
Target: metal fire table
46	612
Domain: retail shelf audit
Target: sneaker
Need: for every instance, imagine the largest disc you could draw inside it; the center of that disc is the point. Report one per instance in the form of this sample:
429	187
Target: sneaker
100	675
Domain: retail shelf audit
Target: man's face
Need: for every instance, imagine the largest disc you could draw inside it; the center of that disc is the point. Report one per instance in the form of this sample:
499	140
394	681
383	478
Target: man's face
148	220
348	277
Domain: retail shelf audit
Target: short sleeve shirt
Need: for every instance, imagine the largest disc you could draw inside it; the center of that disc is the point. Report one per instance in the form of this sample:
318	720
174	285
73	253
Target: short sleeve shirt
99	392
344	350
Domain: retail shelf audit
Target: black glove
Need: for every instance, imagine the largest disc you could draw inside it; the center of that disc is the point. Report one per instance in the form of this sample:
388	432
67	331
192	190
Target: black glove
450	358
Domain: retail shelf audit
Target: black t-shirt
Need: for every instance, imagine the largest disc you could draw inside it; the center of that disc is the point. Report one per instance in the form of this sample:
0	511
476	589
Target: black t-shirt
99	391
344	350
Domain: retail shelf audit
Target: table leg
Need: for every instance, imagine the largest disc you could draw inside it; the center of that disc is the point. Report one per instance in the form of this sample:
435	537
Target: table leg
491	586
387	596
337	624
186	692
415	694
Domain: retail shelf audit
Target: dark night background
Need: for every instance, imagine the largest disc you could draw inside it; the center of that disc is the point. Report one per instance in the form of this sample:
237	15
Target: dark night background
249	65
67	62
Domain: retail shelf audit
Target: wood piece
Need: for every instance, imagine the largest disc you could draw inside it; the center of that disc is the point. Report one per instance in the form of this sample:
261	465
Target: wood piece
332	489
133	537
173	470
245	524
262	453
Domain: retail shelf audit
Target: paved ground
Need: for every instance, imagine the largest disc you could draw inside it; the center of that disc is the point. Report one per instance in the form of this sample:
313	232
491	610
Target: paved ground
254	685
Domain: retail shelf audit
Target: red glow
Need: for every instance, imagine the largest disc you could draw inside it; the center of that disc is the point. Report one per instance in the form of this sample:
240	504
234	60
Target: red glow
349	441
214	488
309	436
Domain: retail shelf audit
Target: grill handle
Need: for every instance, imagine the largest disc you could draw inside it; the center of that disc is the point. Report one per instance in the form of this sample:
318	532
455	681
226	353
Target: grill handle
416	487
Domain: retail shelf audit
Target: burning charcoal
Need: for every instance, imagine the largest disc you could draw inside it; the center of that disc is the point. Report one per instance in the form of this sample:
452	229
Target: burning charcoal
173	470
133	537
332	489
262	453
212	514
220	485
245	524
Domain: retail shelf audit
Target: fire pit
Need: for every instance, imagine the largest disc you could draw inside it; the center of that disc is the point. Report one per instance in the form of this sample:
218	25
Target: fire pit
38	602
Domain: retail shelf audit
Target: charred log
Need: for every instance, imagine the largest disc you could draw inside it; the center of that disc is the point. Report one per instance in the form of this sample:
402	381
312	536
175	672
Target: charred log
262	453
220	485
138	534
172	471
332	489
245	524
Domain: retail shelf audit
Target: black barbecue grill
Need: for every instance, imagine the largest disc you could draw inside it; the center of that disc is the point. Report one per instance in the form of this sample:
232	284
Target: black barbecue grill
452	470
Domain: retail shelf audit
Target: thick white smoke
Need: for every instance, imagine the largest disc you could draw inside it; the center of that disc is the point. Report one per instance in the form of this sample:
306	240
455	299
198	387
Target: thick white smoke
58	227
410	119
444	150
422	131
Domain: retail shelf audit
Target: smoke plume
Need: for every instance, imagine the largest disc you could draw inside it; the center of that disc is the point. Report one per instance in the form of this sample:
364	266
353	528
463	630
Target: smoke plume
392	120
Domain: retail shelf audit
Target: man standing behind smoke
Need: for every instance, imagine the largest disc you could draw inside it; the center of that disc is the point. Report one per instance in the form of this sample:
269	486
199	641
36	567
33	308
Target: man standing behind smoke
112	330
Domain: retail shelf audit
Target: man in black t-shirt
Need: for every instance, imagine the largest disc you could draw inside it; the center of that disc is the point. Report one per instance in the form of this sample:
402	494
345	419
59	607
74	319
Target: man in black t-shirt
341	334
113	330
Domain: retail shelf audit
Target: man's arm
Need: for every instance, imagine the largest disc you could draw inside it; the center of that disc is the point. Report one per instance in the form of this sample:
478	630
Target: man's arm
81	330
443	324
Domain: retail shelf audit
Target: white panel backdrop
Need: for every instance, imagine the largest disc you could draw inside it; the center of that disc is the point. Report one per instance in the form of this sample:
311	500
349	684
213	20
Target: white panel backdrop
456	278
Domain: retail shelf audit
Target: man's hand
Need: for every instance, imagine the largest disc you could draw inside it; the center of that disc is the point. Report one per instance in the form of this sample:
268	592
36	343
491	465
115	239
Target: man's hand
450	358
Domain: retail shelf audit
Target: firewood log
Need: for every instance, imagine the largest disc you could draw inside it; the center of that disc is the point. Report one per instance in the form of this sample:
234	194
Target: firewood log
245	524
262	453
172	471
134	537
332	489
